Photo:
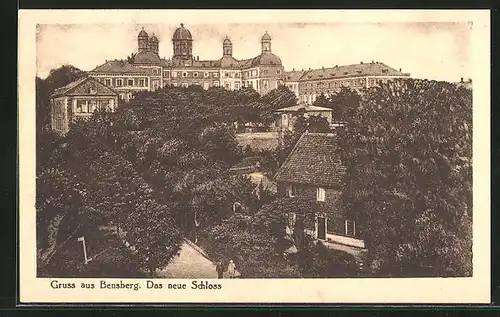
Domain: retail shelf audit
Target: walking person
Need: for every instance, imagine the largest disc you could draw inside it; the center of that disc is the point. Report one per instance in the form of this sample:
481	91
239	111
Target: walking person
231	269
220	269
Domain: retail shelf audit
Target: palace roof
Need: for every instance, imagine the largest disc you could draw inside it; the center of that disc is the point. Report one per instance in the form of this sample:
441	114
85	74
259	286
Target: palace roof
355	70
146	58
182	34
293	75
314	161
120	67
267	59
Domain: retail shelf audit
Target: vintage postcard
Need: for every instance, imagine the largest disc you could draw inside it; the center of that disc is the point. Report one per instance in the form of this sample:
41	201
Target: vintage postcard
254	156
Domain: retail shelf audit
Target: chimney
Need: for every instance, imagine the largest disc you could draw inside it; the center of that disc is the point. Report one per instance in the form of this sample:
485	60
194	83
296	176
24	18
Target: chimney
293	69
400	70
461	79
361	63
470	80
372	62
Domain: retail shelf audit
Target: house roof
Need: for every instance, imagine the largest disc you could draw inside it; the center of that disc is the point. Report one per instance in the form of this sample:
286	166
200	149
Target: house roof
120	67
313	161
77	88
307	108
355	70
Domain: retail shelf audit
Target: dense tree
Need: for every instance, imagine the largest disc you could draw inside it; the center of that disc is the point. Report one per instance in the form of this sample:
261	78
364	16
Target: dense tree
407	148
253	251
46	140
342	103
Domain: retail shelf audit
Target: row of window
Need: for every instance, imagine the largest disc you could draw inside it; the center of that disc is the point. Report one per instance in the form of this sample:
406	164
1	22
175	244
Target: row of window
206	85
340	83
350	225
255	73
320	192
191	74
124	82
89	106
336	84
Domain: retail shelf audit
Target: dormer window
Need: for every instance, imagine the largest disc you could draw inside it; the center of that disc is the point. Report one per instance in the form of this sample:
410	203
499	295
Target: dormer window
291	190
92	90
385	70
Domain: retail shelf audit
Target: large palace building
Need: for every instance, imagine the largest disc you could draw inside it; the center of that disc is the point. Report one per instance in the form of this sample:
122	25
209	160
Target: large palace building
310	84
145	70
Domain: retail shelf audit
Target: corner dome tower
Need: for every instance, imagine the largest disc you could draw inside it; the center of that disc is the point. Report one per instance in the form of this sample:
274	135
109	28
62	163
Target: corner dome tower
266	43
153	44
227	47
142	41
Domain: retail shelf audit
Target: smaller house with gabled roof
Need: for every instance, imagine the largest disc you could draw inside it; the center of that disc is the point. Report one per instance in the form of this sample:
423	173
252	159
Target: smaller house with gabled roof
79	99
313	174
286	116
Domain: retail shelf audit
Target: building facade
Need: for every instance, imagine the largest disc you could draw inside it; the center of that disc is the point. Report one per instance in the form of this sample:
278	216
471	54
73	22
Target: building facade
146	71
310	84
80	99
312	174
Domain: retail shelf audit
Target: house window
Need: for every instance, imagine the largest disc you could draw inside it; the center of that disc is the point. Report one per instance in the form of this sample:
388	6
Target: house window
265	84
141	82
184	74
278	71
155	71
129	96
292	191
122	96
174	84
174	74
185	85
350	228
216	83
320	194
237	75
205	74
92	91
291	221
81	106
119	82
107	82
236	85
195	74
227	85
92	105
166	74
216	75
130	82
226	74
264	71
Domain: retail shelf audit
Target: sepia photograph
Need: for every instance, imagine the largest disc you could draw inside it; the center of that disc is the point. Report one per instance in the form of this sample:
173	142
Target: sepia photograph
273	150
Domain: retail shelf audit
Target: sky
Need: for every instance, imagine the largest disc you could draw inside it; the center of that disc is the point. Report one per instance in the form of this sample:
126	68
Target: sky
437	50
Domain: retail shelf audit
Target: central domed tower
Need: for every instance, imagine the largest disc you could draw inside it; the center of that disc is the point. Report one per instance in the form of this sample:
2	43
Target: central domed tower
183	44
